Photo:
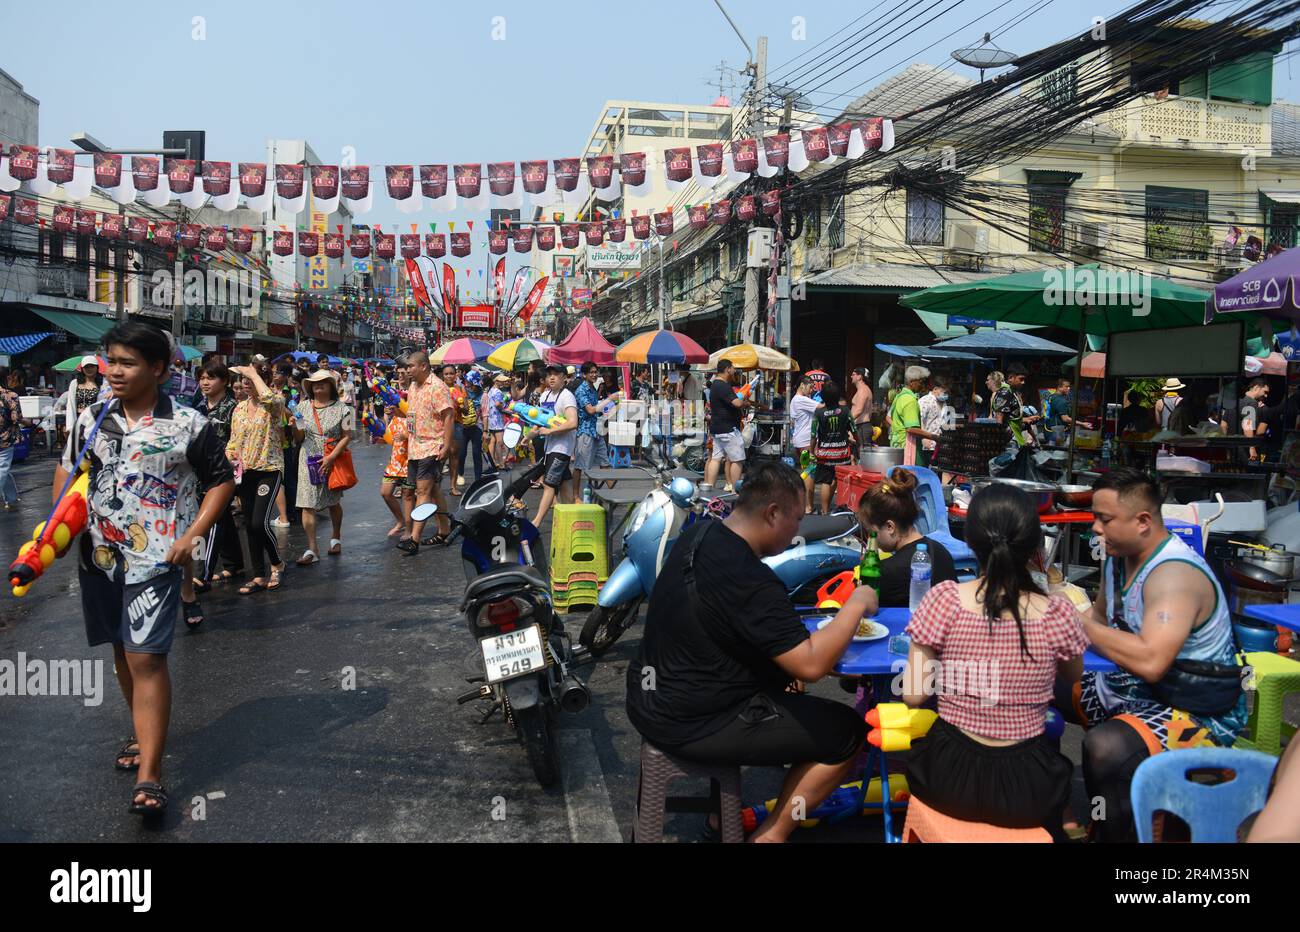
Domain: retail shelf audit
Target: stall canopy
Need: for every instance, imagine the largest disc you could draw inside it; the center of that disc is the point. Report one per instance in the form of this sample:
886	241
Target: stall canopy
1265	288
583	344
1006	341
754	356
89	327
12	346
928	352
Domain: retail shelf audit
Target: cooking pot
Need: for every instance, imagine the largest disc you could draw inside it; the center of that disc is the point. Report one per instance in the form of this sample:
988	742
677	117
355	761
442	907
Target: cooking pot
1276	561
1249	576
881	459
1075	496
1041	492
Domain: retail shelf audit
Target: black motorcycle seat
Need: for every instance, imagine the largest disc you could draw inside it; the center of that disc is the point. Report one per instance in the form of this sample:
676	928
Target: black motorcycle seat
825	527
507	574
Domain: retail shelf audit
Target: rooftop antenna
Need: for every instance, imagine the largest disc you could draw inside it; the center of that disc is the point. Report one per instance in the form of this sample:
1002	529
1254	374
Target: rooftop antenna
725	82
985	55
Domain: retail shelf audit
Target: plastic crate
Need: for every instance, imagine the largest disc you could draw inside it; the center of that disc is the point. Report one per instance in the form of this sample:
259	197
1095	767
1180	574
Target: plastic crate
851	483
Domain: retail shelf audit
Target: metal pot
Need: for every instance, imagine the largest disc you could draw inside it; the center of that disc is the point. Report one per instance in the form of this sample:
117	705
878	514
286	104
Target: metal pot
1042	493
881	459
1250	576
1075	496
1279	563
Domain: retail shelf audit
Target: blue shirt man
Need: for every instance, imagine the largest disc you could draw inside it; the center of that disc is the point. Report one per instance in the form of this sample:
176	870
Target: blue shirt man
587	395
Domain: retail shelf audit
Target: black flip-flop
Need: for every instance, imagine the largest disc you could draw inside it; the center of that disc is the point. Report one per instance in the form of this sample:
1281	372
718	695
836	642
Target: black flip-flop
250	587
193	613
151	790
202	586
127	752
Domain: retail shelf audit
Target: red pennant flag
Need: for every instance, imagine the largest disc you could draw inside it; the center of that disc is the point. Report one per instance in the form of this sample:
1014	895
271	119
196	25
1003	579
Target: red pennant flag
108	170
241	239
460	244
677	163
324	182
709	158
771	202
501	178
600	170
698	216
616	230
497	243
111	225
469	181
288	181
546	238
720	213
641	226
308	243
523	237
744	155
181	174
334	245
815	144
401	182
664	222
410	245
566	174
137	229
164	231
534	299
837	137
282	243
777	149
360	244
533	175
569	235
22	162
631	167
595	233
63	216
435	244
745	208
873	131
385	245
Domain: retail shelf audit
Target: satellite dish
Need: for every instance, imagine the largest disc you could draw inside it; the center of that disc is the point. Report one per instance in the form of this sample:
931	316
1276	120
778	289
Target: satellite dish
985	55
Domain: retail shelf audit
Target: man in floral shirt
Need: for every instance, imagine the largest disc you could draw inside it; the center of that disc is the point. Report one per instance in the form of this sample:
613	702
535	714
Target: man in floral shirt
429	423
10	420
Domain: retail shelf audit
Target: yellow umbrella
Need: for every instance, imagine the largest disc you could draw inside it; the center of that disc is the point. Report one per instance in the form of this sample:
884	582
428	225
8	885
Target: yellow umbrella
753	356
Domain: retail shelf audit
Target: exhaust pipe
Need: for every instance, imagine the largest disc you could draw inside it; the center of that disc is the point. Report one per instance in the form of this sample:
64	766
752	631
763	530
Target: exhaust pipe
574	695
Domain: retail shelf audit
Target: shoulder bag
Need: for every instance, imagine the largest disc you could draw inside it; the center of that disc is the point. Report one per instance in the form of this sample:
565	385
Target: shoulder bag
342	475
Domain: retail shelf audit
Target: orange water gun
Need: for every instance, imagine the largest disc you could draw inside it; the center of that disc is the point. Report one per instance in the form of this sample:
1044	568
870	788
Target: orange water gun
52	537
894	726
745	390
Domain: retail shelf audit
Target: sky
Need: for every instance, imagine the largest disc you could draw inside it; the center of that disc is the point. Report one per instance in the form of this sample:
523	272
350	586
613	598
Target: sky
408	83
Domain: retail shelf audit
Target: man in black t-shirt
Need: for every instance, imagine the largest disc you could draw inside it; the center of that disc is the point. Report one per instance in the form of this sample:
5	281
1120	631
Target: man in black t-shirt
725	416
723	642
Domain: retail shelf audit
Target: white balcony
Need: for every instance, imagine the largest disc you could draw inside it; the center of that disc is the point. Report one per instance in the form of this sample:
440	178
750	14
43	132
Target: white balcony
1192	123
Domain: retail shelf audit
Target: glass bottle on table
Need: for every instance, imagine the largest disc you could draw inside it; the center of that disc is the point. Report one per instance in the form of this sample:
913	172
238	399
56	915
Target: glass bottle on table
869	568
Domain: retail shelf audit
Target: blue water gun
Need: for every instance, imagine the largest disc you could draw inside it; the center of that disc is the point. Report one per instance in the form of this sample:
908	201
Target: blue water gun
373	424
538	417
841	803
387	393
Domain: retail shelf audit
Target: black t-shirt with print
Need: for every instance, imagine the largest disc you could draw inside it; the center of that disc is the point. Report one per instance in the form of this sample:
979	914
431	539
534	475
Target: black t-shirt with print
692	672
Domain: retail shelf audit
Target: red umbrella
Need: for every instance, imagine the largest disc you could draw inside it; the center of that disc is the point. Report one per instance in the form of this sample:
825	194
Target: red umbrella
583	344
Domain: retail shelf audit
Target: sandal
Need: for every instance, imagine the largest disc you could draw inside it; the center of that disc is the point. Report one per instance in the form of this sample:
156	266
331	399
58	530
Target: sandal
226	575
406	545
252	586
308	558
276	576
336	547
436	540
193	613
151	791
128	752
202	586
454	491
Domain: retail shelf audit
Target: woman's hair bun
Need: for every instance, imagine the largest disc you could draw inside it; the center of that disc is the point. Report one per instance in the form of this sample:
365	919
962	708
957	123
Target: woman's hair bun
901	481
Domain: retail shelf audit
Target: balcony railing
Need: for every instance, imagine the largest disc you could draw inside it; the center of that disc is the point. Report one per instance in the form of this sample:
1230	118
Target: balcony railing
1183	121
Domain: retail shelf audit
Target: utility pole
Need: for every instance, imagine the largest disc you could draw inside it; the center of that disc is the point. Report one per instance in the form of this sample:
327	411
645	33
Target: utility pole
758	89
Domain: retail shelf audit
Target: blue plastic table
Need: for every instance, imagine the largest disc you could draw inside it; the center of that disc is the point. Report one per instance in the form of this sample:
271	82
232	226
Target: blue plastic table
1287	616
873	659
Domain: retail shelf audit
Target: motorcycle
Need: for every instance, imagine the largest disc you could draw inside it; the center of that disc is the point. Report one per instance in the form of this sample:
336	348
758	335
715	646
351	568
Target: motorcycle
527	657
818	552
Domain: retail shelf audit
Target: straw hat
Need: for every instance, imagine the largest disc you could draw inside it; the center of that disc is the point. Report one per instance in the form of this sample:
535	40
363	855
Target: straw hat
501	377
1173	385
320	375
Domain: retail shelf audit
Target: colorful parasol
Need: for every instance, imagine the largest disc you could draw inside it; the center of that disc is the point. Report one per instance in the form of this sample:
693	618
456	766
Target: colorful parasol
517	353
461	352
661	346
70	364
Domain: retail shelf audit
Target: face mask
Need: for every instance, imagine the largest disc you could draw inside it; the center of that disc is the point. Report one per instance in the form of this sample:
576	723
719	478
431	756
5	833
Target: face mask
942	397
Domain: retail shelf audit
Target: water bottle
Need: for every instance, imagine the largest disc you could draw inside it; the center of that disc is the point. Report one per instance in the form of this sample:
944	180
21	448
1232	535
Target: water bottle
920	577
1105	453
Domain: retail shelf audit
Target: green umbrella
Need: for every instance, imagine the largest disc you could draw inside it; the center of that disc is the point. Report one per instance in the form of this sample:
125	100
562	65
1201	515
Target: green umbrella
72	362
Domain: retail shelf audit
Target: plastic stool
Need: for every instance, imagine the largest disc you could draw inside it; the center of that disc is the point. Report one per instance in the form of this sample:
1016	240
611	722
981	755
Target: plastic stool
1213	812
926	825
659	769
1275	678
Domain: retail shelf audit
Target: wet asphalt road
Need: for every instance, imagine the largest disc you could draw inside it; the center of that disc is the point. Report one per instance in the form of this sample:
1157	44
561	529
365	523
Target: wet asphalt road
265	742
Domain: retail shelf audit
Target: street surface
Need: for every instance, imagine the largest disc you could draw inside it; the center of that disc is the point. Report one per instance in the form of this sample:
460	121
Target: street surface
265	734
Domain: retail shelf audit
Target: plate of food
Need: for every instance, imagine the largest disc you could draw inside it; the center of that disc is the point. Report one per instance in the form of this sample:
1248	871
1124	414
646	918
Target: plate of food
868	630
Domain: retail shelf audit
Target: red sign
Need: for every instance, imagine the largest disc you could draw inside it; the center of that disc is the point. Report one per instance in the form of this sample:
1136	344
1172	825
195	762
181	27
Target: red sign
252	179
469	181
600	170
164	231
144	172
433	180
631	167
216	178
815	144
744	155
308	243
475	316
497	242
324	182
356	182
360	245
777	149
22	162
460	244
334	244
566	174
771	202
709	158
569	235
534	176
745	208
410	245
616	230
214	238
385	245
137	230
720	213
288	181
60	168
698	215
677	163
180	174
641	227
241	239
435	244
664	223
523	237
401	181
282	243
63	216
112	226
837	135
873	132
595	232
108	170
501	178
546	238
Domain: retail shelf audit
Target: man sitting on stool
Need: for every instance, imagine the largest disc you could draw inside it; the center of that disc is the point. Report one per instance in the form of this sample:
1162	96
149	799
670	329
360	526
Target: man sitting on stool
723	643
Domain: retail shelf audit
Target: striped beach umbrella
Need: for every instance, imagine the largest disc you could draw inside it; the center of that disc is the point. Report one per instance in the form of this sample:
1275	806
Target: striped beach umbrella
661	346
517	353
461	352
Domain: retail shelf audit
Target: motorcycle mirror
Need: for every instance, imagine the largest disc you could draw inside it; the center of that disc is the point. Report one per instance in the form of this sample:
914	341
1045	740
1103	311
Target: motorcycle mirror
424	512
512	434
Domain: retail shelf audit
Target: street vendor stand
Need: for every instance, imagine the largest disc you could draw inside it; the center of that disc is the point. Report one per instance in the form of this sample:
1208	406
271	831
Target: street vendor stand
770	425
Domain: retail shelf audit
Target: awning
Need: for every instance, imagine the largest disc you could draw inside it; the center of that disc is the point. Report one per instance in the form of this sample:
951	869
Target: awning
928	352
1006	341
89	327
1277	196
938	325
12	346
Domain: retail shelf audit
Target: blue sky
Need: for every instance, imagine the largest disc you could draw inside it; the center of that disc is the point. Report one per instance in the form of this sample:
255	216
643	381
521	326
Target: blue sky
407	82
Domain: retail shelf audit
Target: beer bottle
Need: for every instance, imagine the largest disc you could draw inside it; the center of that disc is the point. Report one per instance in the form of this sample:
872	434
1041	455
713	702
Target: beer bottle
869	569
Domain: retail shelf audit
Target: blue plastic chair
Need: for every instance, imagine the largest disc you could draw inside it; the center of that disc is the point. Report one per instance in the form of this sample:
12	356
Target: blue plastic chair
933	521
1213	811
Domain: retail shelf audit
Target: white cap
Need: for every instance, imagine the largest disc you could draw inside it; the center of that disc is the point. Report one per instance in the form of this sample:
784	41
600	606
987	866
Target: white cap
88	361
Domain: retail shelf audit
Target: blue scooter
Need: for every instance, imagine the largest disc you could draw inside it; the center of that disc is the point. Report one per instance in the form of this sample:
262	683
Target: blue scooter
823	547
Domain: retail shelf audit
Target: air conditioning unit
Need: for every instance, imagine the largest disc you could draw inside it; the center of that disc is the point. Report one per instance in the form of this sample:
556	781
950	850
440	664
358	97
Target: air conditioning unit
760	248
817	259
967	236
1229	258
1091	235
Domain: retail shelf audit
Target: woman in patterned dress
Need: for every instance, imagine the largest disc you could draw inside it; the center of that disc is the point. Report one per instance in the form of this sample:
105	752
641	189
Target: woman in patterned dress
322	416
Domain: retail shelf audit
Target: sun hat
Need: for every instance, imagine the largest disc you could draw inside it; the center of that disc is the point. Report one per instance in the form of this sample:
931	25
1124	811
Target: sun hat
1173	385
501	376
320	375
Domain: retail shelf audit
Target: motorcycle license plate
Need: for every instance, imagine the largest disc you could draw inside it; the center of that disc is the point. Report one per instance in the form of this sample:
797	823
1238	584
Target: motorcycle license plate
518	653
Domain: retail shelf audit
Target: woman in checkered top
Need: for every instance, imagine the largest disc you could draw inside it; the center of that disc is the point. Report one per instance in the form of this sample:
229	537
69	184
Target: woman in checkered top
992	649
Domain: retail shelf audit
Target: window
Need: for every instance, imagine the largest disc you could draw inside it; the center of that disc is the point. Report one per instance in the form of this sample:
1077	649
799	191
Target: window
1047	217
1059	89
103	274
812	223
924	220
1281	220
835	228
735	255
1177	223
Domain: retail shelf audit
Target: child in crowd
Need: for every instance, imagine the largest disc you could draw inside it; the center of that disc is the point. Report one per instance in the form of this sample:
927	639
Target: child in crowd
395	484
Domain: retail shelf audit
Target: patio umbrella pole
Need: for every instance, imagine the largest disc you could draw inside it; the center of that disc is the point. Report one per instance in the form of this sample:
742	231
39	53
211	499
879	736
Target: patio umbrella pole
1074	403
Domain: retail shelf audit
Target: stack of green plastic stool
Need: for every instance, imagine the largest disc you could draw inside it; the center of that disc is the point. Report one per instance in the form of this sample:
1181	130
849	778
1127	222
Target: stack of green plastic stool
1276	677
578	560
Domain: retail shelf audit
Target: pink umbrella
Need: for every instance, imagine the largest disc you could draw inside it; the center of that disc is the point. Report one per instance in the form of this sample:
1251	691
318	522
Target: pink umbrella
583	344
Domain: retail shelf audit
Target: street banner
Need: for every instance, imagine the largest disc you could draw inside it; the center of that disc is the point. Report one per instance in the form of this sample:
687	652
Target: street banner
469	181
720	213
216	178
144	172
709	158
164	231
698	216
595	232
334	245
359	246
600	170
815	144
308	244
22	161
498	242
569	235
401	181
677	163
534	299
64	216
288	181
641	226
355	181
546	238
533	175
252	179
523	237
180	174
410	245
460	244
241	239
776	149
566	174
61	166
433	180
189	237
631	168
664	223
386	245
281	242
324	182
744	155
616	229
435	244
501	178
108	170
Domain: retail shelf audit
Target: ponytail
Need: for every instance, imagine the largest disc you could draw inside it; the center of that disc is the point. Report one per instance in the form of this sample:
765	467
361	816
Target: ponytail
1002	528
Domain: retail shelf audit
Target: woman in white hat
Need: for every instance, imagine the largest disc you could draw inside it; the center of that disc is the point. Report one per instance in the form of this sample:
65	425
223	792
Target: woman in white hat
323	416
83	392
1167	403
